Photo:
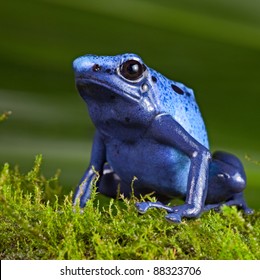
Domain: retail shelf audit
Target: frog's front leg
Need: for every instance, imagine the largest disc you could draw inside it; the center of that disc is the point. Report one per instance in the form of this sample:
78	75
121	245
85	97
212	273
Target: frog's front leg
83	191
168	132
142	207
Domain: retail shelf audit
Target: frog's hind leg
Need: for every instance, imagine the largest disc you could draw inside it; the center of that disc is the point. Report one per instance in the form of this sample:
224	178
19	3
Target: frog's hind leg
237	200
227	182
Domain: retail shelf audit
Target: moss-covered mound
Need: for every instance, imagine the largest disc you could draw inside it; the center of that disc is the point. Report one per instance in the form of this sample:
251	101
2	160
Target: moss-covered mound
37	223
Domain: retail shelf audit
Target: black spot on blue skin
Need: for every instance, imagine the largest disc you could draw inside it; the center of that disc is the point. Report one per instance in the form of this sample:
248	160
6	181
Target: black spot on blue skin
186	109
188	94
108	70
154	79
177	89
127	119
96	68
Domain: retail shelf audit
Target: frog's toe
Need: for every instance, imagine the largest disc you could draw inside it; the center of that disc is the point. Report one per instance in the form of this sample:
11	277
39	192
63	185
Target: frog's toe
248	211
173	218
239	201
184	210
142	207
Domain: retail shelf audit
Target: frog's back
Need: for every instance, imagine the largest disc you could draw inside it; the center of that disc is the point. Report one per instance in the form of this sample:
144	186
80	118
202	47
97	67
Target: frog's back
179	101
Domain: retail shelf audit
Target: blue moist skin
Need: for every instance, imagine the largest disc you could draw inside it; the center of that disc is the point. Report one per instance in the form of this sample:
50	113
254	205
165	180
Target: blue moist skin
150	128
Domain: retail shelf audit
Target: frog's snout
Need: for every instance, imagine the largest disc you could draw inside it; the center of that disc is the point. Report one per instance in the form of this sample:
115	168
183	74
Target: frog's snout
82	64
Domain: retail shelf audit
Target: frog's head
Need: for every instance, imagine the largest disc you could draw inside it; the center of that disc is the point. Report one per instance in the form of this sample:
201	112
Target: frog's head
123	75
118	88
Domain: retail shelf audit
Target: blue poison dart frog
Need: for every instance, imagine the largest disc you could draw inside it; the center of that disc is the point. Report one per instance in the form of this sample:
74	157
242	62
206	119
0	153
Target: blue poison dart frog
150	128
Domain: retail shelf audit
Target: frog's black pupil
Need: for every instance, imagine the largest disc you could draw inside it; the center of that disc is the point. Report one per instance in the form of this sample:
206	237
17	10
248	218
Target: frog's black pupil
132	69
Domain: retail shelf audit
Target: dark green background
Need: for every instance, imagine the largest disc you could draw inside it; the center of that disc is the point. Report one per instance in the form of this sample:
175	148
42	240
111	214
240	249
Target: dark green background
212	46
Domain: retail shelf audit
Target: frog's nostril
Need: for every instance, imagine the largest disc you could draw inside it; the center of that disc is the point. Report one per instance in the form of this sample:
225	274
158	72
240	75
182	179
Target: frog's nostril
96	67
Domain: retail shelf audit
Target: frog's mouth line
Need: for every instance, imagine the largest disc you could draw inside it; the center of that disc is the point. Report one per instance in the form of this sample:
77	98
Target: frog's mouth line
90	86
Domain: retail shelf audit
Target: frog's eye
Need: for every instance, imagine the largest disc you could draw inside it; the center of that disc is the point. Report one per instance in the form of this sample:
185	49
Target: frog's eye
132	70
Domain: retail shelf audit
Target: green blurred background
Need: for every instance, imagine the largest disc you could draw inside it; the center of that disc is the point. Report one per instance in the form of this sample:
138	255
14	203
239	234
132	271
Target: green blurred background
211	46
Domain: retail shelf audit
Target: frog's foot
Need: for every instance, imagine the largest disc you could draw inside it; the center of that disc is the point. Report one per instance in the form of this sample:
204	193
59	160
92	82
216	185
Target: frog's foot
142	207
237	200
175	213
180	211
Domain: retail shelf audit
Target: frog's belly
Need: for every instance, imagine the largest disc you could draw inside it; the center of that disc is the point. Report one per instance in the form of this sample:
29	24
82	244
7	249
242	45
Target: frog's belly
158	168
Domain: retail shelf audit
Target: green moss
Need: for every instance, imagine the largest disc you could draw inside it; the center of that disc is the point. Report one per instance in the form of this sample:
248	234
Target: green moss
37	223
